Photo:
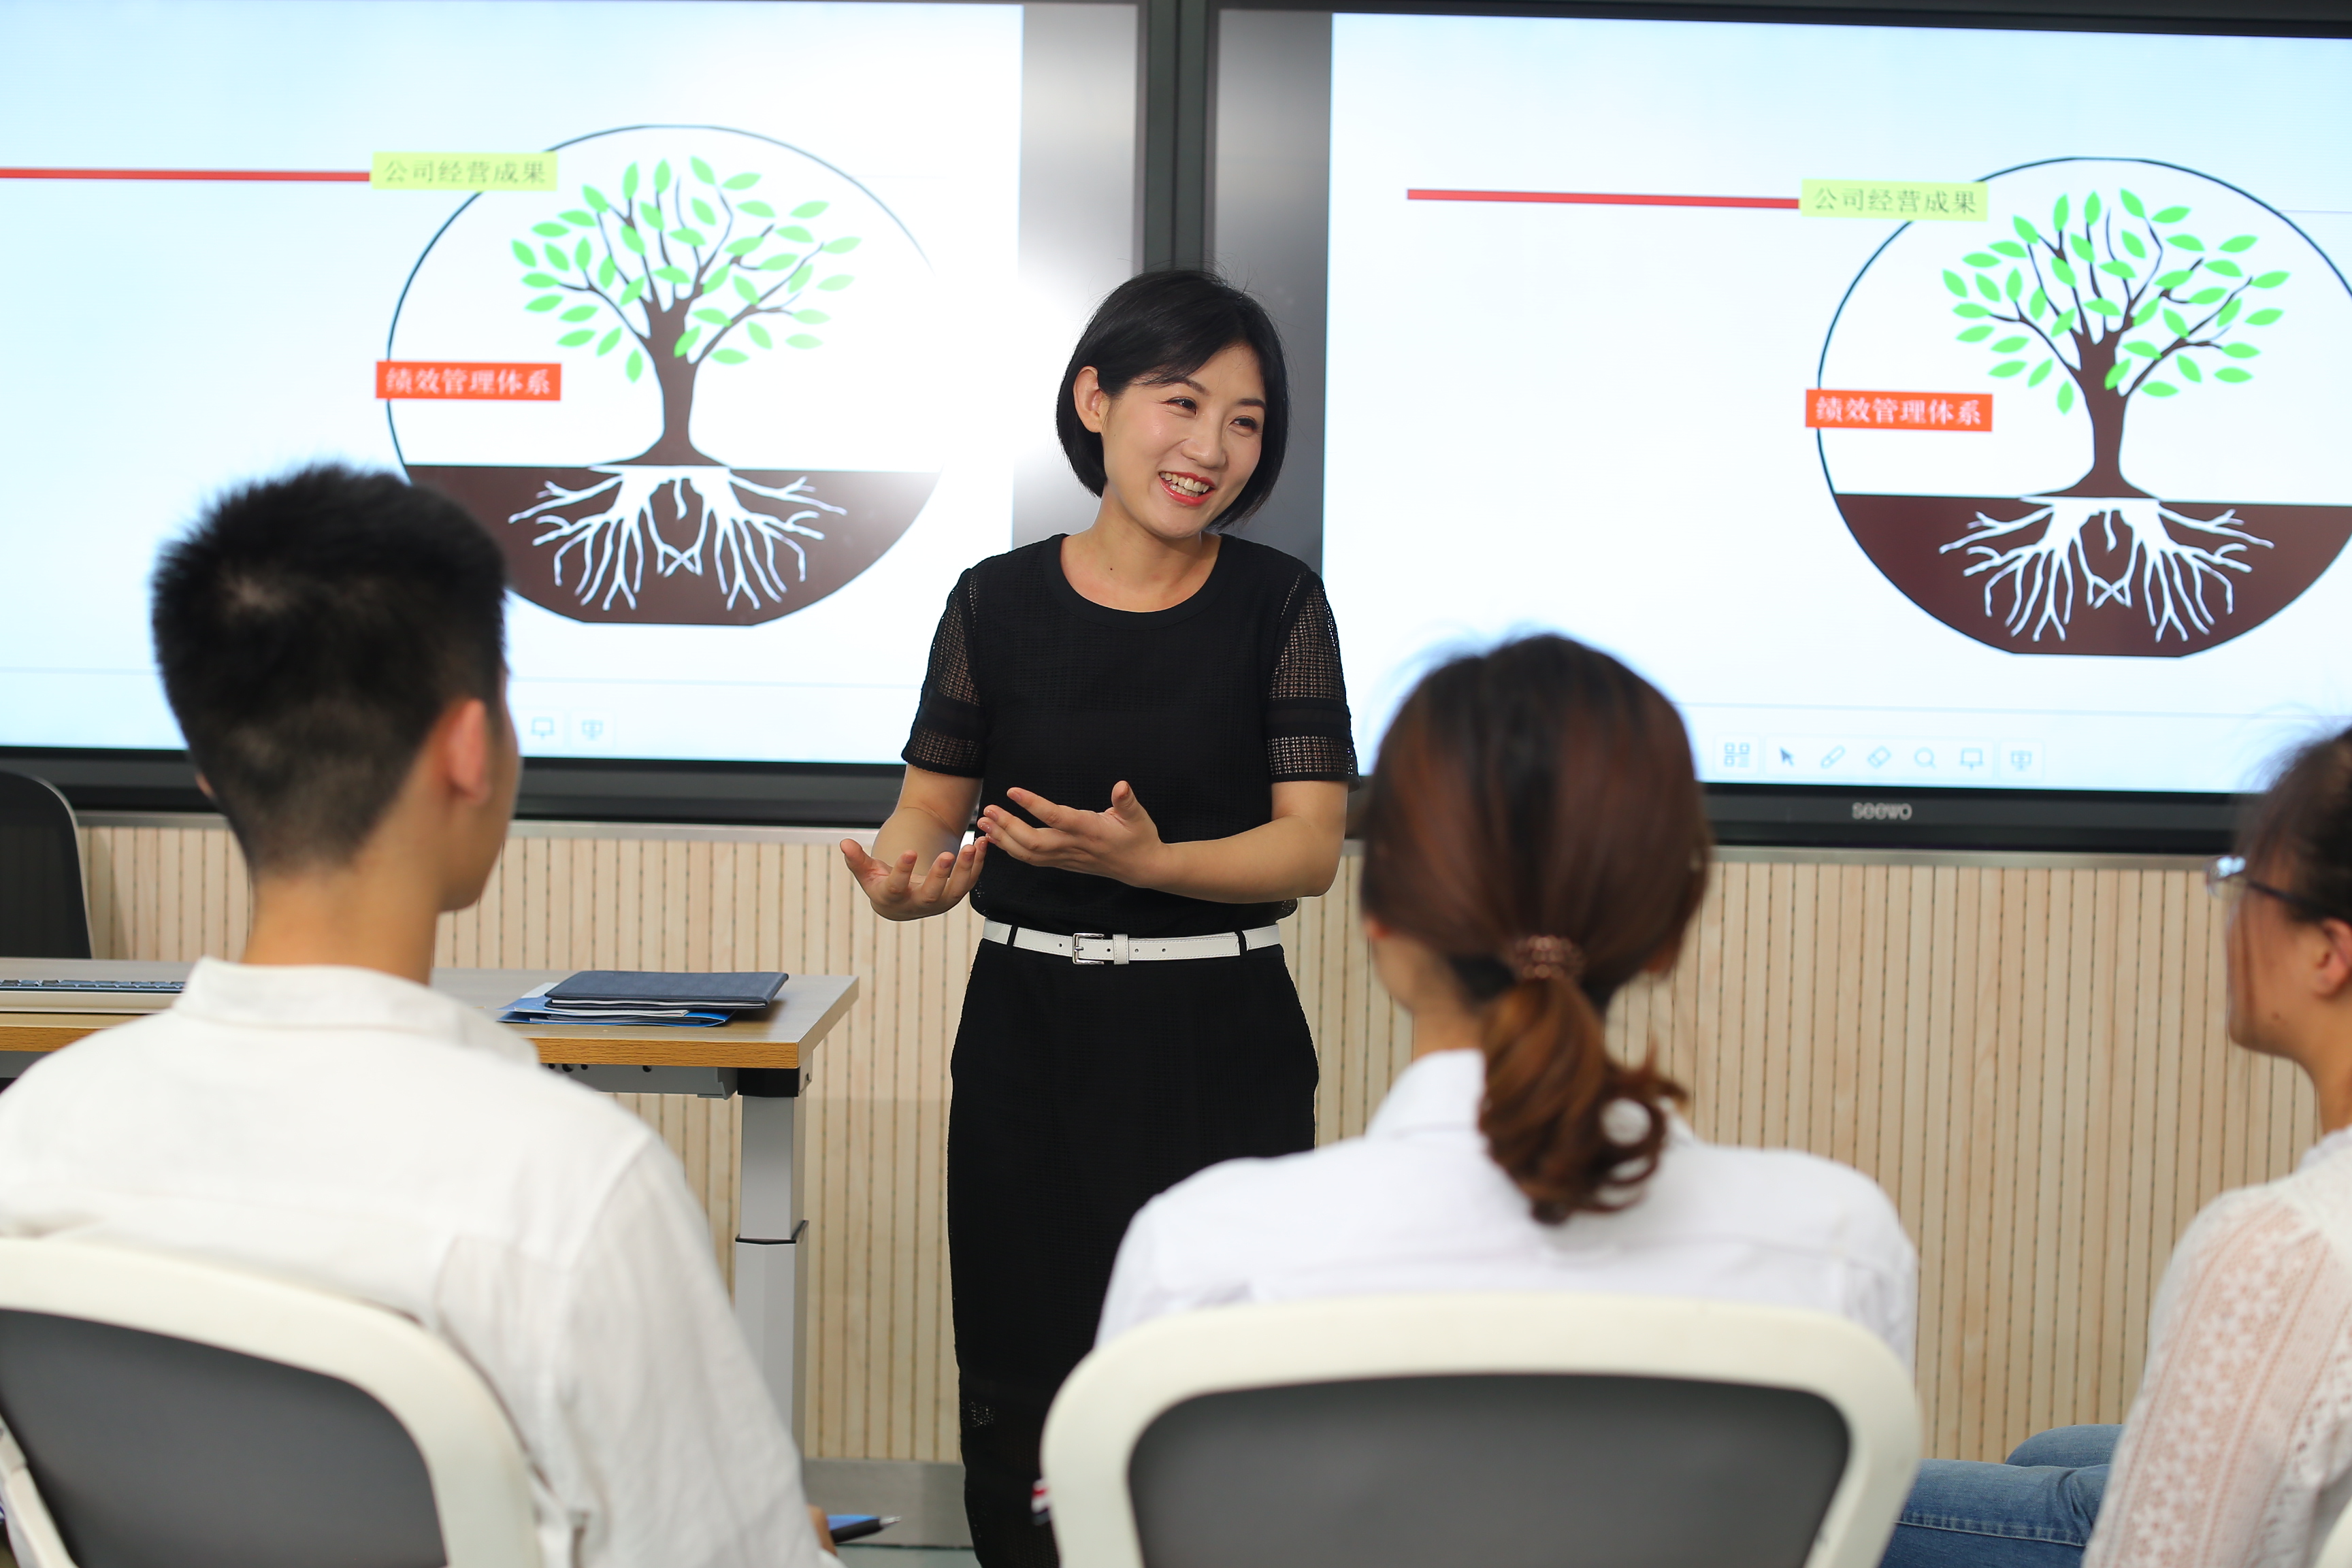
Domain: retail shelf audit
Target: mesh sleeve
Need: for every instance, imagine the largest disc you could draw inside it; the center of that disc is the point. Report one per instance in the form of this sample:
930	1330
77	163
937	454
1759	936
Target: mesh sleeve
1308	735
951	733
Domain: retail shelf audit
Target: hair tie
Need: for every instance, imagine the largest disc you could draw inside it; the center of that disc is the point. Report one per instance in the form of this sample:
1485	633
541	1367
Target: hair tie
1546	958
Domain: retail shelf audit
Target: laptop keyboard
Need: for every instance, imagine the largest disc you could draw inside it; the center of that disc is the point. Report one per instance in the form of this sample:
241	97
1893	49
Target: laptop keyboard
157	987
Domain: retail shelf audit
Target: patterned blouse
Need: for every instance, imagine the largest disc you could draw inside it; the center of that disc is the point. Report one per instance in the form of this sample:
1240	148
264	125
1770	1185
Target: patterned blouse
2239	1449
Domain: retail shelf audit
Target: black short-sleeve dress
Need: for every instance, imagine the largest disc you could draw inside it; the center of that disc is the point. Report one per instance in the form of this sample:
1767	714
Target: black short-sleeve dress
1082	1091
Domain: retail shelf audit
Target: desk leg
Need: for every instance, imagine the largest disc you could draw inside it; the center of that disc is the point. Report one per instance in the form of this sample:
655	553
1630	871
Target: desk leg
771	1284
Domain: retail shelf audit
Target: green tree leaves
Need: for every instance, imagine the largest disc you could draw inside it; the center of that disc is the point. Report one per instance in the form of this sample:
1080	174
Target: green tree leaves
684	248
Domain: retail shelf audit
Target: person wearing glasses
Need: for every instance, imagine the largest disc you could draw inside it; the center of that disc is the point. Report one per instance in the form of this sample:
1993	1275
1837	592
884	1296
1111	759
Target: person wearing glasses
2238	1449
1149	718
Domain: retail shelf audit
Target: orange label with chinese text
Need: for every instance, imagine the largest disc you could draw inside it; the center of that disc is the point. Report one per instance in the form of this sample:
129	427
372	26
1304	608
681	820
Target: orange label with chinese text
1829	410
470	380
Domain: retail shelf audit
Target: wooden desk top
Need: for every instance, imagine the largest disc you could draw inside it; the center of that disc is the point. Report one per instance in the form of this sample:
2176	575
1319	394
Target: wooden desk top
808	1006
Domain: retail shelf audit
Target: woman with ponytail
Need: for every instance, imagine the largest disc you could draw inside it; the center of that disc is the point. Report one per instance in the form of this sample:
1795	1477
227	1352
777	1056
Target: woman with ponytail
1535	838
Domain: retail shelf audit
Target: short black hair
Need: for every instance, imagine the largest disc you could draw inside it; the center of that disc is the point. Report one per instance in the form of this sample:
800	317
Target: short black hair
311	630
1161	326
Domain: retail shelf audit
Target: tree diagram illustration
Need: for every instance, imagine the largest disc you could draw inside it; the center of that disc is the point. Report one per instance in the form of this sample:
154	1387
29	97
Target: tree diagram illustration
2108	294
2120	303
690	278
663	262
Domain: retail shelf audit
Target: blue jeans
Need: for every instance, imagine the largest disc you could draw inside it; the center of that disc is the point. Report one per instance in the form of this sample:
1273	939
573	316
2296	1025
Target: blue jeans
2035	1510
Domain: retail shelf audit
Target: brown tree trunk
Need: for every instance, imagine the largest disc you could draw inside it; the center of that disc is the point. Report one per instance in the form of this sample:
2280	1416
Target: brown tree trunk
2106	406
673	373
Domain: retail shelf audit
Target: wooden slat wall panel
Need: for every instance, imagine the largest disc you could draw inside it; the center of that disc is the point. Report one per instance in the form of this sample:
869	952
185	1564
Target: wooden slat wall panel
2029	1059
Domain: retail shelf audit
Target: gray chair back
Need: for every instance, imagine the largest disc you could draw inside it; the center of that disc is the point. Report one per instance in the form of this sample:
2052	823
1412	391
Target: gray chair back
1522	1470
153	1452
42	913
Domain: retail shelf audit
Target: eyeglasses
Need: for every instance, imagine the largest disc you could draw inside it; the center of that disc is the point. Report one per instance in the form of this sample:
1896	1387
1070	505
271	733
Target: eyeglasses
2226	879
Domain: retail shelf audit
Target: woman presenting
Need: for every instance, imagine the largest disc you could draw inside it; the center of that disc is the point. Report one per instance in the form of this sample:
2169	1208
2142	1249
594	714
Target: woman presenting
1150	720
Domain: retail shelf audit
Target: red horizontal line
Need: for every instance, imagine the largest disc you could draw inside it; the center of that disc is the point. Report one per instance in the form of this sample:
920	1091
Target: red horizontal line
360	176
1601	199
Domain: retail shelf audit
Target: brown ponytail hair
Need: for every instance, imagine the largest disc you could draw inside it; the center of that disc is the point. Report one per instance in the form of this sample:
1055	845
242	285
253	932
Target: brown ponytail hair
1544	791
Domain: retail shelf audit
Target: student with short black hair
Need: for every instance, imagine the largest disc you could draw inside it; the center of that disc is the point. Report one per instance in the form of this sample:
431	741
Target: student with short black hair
1150	719
332	644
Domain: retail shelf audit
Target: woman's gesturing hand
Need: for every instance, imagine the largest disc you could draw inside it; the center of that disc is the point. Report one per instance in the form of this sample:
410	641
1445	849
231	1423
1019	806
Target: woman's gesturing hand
897	894
1122	843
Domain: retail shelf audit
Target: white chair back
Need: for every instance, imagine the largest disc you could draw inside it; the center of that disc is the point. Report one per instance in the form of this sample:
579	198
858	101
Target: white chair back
1504	1428
157	1412
2335	1550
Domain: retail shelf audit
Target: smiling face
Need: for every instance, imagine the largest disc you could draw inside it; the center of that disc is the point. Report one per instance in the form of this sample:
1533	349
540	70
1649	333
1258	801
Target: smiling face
1176	453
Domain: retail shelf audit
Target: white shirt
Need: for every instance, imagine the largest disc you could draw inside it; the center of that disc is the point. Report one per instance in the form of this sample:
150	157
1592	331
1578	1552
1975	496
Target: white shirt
345	1128
2238	1450
1417	1203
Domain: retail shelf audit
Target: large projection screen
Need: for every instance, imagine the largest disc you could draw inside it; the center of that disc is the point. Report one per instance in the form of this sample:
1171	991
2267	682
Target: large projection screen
1920	414
736	325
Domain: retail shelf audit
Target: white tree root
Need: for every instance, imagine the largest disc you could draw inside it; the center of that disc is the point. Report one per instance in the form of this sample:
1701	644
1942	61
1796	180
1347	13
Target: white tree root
652	506
2171	578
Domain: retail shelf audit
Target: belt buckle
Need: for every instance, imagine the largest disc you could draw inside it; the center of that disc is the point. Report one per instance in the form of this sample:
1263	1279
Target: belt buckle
1078	936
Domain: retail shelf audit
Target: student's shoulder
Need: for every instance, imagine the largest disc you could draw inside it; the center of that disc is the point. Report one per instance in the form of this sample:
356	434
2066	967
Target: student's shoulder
1272	1199
1802	1195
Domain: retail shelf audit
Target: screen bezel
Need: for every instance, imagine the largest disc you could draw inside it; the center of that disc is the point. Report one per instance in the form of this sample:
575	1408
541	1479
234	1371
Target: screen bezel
1081	229
1795	815
861	794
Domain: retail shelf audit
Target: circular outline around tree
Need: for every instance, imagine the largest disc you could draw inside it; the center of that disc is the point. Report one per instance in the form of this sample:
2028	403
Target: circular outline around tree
660	279
2100	566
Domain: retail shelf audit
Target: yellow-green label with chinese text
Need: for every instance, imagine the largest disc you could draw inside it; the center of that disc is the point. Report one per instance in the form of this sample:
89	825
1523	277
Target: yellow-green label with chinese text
1905	200
463	172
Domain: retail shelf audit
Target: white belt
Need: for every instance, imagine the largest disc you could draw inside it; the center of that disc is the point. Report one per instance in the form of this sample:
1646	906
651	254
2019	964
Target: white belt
1094	947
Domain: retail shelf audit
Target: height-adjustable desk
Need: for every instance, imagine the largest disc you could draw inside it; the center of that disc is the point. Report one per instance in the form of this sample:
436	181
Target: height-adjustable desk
766	1059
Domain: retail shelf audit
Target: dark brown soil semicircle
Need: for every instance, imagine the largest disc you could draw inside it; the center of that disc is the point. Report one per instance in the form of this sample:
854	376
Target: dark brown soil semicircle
877	509
1904	536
